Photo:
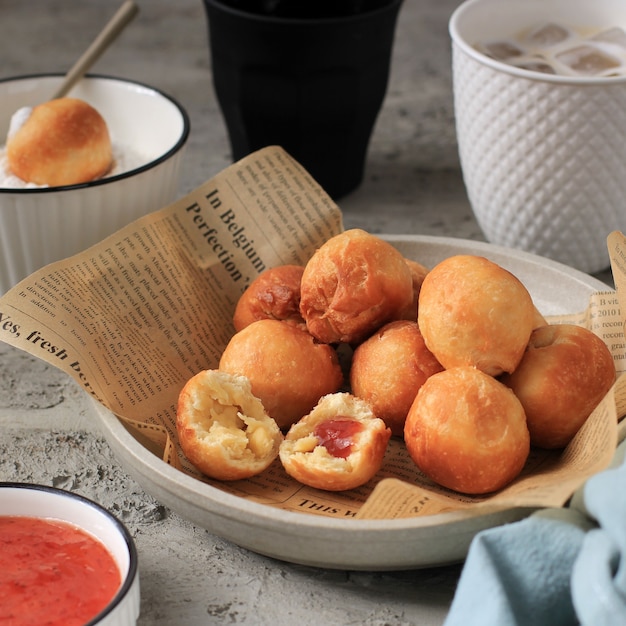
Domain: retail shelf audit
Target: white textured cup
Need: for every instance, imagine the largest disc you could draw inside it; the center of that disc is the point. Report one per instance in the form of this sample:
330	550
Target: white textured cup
543	156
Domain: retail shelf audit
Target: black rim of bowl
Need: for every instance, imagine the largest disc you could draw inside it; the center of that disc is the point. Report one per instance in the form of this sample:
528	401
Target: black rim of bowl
130	544
182	140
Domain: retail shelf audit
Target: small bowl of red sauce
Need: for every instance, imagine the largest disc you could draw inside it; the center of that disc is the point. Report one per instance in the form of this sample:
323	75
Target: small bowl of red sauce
65	560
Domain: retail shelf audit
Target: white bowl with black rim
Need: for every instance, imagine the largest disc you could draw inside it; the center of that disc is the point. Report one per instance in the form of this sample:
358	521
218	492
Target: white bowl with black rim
149	131
57	506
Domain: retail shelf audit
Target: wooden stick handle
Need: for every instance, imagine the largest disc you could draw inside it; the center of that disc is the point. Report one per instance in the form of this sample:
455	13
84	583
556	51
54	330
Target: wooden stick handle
109	33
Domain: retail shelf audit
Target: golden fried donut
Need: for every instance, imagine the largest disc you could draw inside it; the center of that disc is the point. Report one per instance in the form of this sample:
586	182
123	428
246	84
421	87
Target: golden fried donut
418	273
63	142
289	371
565	372
223	429
472	311
354	283
539	319
388	369
467	431
339	445
274	294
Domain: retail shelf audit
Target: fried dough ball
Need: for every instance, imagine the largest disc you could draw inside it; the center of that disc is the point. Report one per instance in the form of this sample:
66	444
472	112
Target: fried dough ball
472	311
354	283
223	429
274	294
565	372
289	371
63	142
539	319
339	445
388	369
467	431
418	273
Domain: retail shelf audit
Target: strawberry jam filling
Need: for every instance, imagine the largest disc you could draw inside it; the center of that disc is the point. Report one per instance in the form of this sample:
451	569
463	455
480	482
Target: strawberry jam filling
337	435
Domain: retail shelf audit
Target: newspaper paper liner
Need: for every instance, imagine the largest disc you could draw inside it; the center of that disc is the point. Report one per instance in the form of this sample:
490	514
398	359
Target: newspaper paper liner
132	318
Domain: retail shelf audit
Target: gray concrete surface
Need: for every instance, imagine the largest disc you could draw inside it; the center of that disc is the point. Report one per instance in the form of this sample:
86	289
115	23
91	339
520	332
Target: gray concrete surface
47	435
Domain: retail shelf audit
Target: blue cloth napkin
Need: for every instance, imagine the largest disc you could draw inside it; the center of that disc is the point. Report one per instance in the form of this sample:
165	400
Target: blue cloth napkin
558	567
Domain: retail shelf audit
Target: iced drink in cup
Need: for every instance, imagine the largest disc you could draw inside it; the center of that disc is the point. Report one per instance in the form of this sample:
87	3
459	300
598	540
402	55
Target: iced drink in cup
559	49
540	105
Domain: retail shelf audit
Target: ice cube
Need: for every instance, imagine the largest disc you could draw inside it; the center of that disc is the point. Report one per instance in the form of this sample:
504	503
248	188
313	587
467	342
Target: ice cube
500	50
546	35
587	60
615	36
536	66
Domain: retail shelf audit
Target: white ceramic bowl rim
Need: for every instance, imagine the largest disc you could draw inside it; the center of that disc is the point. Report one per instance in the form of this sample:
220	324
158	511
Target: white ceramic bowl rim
127	174
132	550
455	29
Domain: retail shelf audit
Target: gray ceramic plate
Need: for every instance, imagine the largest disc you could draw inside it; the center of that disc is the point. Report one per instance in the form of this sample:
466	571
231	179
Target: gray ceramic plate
351	544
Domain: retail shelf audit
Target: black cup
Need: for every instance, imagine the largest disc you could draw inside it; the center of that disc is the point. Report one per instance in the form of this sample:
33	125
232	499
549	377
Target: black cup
308	75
